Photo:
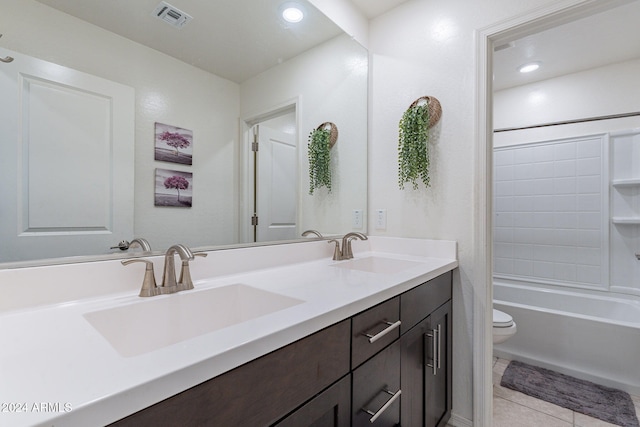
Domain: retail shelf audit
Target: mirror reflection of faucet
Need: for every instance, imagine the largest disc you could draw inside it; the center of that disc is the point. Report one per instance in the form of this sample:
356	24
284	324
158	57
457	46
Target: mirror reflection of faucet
169	283
308	232
140	241
345	252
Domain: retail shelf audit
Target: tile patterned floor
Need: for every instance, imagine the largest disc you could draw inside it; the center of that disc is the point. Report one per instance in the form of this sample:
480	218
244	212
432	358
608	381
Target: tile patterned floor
514	409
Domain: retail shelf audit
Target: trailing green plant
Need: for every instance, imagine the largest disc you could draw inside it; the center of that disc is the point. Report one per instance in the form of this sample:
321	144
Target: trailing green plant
413	146
319	149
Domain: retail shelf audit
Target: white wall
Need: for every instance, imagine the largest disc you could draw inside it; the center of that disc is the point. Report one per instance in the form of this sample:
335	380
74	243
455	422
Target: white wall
347	17
330	83
167	91
601	91
427	48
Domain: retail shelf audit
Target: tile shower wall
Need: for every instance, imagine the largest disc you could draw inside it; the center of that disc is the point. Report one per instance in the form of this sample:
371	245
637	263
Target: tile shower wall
551	212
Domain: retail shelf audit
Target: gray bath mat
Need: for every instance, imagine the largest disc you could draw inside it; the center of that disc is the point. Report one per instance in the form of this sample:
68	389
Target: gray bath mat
607	404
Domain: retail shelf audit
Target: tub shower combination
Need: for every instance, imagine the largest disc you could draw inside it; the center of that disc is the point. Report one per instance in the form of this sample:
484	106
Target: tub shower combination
566	233
589	336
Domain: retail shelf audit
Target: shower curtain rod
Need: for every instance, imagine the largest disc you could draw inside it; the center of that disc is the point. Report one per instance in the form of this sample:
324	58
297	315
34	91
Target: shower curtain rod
569	122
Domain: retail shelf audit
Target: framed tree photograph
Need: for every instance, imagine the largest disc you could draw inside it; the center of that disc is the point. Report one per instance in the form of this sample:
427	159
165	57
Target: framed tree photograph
173	188
173	144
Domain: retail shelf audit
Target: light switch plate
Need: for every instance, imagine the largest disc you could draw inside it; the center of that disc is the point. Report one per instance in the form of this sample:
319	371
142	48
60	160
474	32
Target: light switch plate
381	219
357	218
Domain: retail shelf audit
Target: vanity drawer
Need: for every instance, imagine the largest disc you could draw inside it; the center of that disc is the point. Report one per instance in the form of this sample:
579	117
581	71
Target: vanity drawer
376	390
419	302
374	329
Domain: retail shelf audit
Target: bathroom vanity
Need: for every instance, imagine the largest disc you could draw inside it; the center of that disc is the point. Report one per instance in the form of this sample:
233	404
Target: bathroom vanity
351	341
392	358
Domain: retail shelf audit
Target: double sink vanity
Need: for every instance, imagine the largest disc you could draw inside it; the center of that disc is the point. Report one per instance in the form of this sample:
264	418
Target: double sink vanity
274	335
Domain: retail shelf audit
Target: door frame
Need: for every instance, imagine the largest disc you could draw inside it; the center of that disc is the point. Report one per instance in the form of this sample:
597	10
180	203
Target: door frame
536	20
246	172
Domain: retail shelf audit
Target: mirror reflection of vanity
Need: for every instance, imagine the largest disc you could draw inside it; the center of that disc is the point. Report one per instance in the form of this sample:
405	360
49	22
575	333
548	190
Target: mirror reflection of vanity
219	76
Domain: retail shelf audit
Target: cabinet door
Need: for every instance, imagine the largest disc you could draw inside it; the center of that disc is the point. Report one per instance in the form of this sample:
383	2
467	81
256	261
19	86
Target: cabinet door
331	408
437	375
419	302
413	370
376	389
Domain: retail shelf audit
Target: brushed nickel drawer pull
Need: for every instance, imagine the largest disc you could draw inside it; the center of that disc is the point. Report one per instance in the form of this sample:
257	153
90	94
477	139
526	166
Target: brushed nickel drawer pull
434	350
375	415
439	330
385	331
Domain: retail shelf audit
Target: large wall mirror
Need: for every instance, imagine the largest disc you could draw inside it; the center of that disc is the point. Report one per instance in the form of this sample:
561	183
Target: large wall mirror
94	85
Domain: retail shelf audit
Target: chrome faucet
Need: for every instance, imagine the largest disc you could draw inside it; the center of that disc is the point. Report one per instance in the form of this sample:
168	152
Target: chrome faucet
149	287
169	284
307	232
185	283
346	252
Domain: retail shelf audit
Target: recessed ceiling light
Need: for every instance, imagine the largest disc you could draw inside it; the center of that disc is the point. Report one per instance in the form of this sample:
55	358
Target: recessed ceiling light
292	14
529	67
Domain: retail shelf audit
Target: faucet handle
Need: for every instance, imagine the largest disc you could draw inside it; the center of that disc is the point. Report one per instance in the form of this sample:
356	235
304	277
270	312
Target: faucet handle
337	253
185	283
149	287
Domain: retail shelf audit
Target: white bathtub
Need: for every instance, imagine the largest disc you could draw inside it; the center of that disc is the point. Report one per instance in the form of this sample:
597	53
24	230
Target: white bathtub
586	335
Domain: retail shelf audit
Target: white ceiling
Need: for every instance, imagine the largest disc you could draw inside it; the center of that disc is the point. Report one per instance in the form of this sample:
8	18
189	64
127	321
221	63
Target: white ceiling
605	38
373	8
233	38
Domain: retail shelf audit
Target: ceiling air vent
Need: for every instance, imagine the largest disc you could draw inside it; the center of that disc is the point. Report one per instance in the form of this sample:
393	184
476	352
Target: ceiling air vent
171	15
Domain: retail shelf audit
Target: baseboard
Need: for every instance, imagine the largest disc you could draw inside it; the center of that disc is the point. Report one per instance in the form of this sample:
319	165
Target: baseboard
458	421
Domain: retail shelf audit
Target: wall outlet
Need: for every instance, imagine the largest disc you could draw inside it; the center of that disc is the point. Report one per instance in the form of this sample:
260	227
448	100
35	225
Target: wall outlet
381	219
357	218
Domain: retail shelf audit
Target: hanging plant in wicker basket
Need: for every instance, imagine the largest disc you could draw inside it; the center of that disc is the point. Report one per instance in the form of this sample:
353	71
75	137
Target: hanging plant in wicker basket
413	142
321	140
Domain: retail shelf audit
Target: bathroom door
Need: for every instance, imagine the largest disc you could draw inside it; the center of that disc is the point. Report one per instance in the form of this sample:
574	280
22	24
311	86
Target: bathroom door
66	161
276	185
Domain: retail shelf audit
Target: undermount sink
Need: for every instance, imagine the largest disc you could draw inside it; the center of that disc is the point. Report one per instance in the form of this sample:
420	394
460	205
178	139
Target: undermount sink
376	264
153	323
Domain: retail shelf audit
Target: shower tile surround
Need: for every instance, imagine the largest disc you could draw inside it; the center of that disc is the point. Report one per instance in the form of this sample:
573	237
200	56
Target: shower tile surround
567	212
625	211
551	211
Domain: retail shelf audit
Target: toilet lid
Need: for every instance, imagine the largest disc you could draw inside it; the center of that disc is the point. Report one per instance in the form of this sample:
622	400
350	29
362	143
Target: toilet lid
501	319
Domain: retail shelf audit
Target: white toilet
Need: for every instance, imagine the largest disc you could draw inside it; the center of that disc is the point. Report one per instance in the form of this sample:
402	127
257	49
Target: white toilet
503	326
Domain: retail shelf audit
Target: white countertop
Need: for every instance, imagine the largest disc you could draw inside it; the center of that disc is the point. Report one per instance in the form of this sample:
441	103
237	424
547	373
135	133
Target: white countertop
57	370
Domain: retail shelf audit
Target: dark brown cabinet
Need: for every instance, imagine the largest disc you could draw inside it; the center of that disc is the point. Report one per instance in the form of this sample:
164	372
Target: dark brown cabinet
389	365
331	408
260	392
437	375
426	357
374	329
376	389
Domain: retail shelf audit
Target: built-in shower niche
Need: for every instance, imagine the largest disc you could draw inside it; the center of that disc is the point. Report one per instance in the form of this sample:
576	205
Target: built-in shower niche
625	211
